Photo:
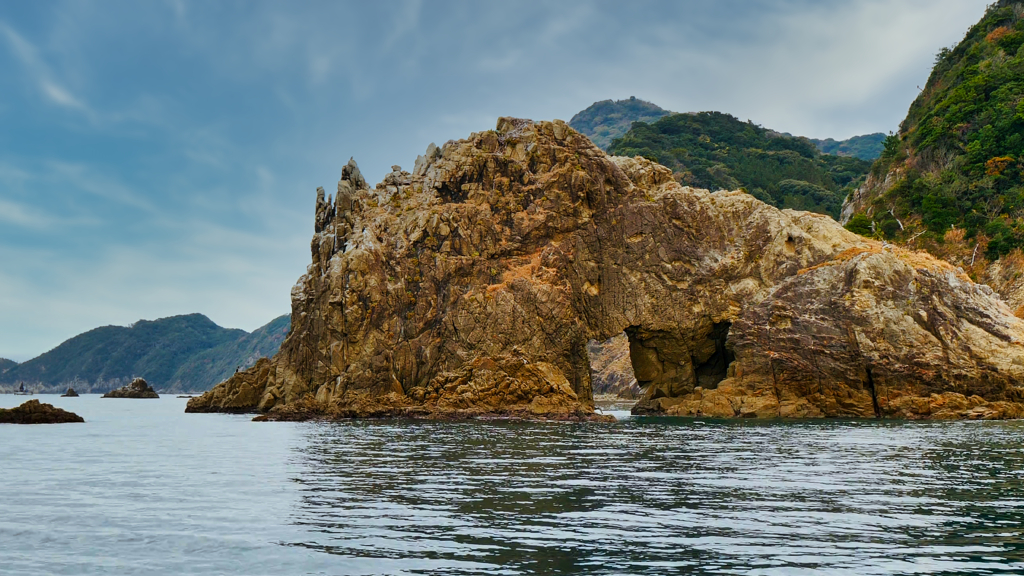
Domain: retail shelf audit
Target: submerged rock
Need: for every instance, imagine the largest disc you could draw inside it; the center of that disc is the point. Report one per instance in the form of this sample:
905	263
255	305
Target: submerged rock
138	388
35	412
472	286
70	393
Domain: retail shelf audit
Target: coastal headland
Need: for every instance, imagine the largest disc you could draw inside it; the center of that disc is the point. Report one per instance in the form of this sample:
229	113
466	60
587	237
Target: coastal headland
470	287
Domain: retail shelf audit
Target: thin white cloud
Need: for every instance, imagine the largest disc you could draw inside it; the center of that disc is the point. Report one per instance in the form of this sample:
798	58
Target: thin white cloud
60	95
89	179
179	9
18	214
404	24
43	76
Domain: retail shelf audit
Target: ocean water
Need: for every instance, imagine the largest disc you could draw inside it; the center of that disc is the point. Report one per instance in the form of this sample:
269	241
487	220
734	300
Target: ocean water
143	488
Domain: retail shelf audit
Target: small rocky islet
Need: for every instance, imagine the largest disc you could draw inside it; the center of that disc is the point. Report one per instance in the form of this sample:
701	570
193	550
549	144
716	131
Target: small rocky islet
36	412
471	286
138	388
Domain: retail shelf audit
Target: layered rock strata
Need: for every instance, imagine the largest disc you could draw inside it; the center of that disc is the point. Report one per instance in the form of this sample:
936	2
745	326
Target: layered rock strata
138	388
35	412
472	285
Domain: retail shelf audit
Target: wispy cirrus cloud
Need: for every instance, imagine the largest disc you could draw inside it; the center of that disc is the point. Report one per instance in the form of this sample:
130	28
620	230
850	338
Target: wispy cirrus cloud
42	75
17	214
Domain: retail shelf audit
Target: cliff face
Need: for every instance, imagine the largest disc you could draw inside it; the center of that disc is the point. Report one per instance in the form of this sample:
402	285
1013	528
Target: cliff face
473	284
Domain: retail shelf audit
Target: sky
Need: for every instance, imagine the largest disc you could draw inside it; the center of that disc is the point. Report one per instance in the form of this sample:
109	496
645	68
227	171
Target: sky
162	157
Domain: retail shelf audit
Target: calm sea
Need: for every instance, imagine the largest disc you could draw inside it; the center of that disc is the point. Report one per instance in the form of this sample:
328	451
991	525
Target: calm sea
143	488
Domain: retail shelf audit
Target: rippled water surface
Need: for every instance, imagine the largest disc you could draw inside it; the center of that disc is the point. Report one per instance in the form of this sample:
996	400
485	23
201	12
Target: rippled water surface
142	488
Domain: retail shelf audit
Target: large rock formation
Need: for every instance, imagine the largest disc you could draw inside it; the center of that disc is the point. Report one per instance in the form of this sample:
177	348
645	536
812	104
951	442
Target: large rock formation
473	284
35	412
138	388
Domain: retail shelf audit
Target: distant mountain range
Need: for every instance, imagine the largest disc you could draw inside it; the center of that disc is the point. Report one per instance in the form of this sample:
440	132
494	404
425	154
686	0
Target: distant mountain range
867	147
716	151
6	365
607	120
188	353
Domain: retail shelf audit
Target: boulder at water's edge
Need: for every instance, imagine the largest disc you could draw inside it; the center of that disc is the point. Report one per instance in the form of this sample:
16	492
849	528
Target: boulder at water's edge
138	388
35	412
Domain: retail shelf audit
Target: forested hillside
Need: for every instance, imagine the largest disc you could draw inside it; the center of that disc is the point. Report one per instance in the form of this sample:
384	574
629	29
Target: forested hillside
6	365
717	151
186	353
951	180
210	367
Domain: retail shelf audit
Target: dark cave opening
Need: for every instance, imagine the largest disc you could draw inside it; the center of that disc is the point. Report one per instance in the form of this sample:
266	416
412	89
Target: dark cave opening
647	366
711	372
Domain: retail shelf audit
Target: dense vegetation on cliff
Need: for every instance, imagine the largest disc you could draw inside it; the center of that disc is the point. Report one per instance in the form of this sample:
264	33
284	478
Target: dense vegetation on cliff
956	165
606	120
184	353
717	151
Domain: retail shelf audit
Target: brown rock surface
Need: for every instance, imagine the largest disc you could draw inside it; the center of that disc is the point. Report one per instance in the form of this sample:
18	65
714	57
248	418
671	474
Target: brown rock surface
138	388
473	284
35	412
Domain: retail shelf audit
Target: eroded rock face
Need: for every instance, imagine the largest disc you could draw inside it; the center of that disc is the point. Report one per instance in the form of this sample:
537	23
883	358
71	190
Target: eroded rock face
473	285
871	333
138	388
35	412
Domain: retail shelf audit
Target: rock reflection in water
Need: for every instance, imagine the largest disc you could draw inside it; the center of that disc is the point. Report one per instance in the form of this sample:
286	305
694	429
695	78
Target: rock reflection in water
656	496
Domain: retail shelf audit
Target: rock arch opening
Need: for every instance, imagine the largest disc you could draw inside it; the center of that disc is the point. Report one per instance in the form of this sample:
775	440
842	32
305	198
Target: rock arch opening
611	371
668	366
715	368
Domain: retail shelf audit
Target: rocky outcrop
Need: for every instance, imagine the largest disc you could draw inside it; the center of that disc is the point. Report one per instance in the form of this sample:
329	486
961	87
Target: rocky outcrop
138	388
70	393
244	394
473	284
35	412
873	332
